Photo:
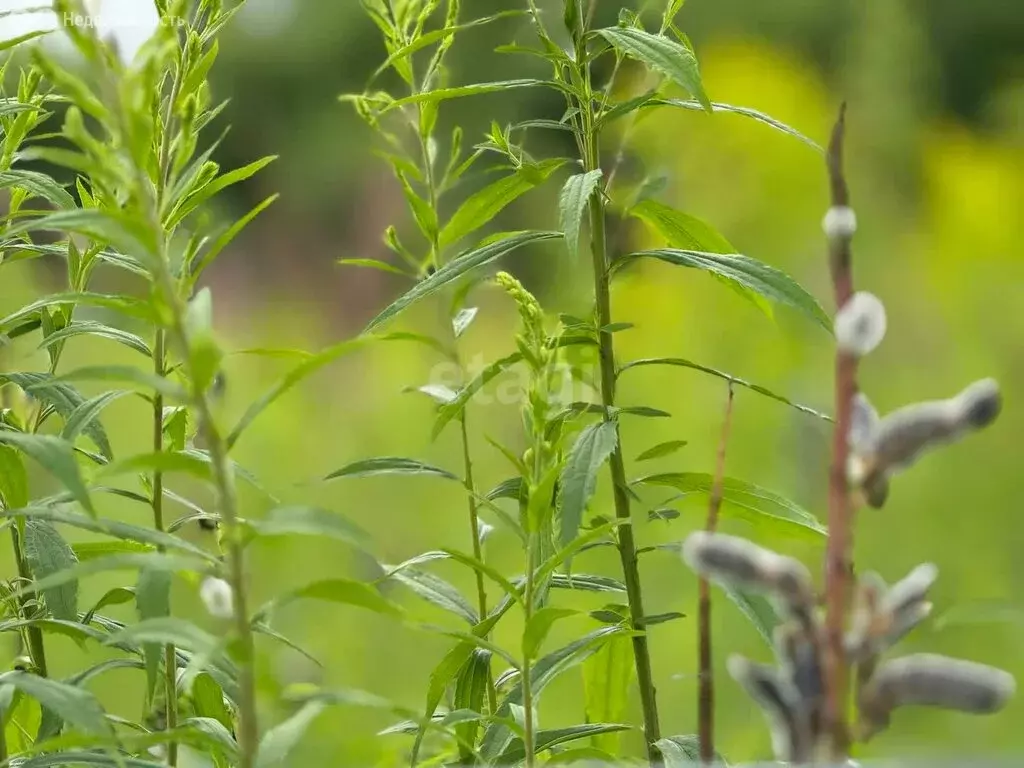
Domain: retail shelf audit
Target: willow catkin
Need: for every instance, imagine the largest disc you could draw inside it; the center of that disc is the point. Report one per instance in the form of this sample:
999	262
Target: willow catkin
930	680
900	438
739	562
792	739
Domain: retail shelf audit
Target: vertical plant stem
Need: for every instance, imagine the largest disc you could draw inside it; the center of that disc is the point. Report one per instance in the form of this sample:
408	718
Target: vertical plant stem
706	683
627	545
478	553
528	724
170	656
34	635
838	557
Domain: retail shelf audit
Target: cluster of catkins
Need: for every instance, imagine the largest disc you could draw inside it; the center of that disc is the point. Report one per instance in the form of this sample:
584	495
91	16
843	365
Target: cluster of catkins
792	692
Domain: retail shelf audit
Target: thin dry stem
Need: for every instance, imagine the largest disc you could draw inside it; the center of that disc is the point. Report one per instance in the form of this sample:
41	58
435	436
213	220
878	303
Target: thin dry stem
706	689
838	558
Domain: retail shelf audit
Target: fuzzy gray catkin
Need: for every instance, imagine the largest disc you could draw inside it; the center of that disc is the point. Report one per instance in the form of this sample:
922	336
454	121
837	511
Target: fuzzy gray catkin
903	436
933	681
792	738
740	562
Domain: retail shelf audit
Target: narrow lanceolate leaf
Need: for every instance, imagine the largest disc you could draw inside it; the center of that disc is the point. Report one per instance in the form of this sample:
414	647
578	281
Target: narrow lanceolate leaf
200	196
579	477
85	418
587	582
443	674
73	705
681	230
452	410
436	591
747	501
572	205
178	632
498	736
462	91
558	736
391	465
606	679
310	521
126	305
119	562
752	275
118	229
540	624
296	375
753	114
57	457
461	265
97	330
757	609
470	692
37	185
661	54
47	553
13	479
281	740
683	363
64	398
662	449
152	601
340	591
484	205
679	751
114	528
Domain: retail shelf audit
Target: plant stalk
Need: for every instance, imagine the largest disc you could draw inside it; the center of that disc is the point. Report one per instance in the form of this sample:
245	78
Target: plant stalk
626	542
839	554
170	656
528	724
478	550
706	686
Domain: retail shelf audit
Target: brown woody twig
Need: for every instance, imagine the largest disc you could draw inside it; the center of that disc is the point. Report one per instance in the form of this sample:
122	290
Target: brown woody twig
838	563
706	686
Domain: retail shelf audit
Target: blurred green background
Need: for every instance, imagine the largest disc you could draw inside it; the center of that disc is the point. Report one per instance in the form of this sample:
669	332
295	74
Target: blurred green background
936	148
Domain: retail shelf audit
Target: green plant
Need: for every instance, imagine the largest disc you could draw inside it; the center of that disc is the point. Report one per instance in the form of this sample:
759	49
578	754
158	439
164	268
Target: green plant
134	240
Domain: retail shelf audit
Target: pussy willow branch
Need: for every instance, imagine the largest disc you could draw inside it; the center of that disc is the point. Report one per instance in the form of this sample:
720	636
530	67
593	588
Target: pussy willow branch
706	683
602	296
838	556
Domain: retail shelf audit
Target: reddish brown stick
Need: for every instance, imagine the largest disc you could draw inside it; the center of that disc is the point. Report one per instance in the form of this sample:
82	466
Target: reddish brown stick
706	686
838	562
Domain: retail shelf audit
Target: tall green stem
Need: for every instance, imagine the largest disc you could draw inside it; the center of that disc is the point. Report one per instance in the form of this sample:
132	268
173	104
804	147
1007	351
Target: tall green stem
34	635
528	724
170	656
627	545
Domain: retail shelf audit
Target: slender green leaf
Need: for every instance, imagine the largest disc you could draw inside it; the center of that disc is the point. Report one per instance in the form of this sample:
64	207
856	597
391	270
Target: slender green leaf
99	330
546	739
13	479
296	375
342	591
115	596
85	418
377	264
470	695
750	274
391	465
537	629
280	741
446	671
754	114
310	521
662	449
115	228
451	410
57	457
753	503
579	477
118	562
226	238
64	398
661	54
208	700
167	629
587	582
607	675
683	363
194	200
443	94
459	266
572	205
37	185
153	601
47	553
436	591
126	305
758	610
484	205
73	705
132	533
